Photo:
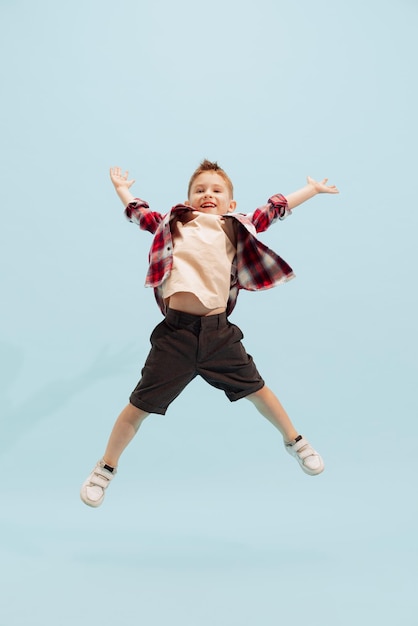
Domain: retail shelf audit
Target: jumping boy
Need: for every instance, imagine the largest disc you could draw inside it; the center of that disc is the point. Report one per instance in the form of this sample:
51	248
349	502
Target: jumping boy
202	255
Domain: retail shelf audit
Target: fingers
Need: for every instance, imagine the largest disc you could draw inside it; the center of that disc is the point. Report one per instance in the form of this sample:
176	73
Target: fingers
331	189
116	173
120	179
322	186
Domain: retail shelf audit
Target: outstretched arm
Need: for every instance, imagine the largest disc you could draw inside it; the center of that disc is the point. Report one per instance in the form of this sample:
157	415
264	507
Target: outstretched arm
122	184
311	189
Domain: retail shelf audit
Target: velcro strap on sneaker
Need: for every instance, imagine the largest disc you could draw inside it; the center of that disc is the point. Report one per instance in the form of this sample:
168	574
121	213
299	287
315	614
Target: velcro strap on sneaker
305	451
101	478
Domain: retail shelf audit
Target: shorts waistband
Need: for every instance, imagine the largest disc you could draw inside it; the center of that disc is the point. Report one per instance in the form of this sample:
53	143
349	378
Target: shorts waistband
182	319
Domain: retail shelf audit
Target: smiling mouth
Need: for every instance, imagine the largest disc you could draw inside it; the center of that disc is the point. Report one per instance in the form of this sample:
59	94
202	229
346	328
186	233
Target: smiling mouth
207	205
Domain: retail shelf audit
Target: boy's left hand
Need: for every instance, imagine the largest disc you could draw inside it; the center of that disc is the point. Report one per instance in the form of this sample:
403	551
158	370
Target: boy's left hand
322	187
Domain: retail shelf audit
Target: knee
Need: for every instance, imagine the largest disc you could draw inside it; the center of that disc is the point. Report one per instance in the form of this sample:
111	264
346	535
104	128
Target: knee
257	395
135	416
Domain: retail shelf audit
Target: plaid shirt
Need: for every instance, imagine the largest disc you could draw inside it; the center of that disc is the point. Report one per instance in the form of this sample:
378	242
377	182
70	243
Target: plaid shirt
255	266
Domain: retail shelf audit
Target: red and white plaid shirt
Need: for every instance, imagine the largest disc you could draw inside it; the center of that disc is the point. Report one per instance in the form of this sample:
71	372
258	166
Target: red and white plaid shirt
255	266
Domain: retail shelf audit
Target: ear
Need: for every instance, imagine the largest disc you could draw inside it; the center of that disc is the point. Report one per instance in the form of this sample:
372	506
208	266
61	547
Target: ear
232	206
187	203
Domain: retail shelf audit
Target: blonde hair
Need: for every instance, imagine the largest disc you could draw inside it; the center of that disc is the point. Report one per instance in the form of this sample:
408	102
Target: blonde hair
210	166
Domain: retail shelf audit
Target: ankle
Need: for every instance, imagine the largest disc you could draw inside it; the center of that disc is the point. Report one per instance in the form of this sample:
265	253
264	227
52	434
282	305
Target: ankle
291	442
110	467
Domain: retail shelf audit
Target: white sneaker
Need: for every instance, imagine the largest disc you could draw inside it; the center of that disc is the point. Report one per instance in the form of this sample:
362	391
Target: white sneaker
308	458
94	487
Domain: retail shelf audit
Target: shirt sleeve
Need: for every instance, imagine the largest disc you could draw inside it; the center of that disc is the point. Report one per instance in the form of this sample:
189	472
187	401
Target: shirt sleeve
138	212
276	209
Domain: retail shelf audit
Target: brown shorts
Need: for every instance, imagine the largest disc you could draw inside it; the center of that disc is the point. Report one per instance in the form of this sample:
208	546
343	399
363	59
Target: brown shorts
184	346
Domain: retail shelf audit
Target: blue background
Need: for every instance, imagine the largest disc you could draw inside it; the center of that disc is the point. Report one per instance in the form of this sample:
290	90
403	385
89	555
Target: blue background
209	521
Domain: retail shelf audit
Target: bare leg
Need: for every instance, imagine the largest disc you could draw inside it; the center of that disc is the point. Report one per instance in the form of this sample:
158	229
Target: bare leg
124	430
269	405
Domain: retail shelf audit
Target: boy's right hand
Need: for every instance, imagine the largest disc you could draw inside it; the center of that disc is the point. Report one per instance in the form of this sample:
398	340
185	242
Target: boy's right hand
120	180
121	183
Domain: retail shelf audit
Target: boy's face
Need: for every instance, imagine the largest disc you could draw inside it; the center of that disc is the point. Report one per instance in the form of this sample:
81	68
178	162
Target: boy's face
209	193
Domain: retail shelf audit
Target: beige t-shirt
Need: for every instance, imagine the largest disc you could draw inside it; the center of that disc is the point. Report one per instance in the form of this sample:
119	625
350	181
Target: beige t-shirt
204	247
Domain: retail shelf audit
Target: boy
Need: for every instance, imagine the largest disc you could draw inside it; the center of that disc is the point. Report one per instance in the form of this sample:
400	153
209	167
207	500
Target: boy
202	254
